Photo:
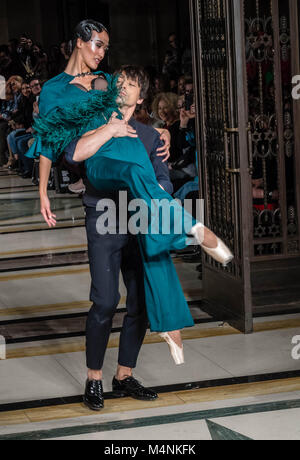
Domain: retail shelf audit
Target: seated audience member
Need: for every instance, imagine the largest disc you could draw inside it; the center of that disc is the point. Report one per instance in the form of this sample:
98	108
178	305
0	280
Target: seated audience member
8	108
182	165
40	68
189	91
160	85
22	140
185	167
181	86
174	85
165	110
21	121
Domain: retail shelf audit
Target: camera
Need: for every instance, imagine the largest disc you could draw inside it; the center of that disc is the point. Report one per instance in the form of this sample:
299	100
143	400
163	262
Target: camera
188	102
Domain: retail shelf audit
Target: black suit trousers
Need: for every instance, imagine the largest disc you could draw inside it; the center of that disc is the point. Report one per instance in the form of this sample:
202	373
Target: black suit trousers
108	255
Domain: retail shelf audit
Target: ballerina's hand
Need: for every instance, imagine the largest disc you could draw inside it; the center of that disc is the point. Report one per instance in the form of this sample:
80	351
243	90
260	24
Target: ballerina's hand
48	216
165	150
121	128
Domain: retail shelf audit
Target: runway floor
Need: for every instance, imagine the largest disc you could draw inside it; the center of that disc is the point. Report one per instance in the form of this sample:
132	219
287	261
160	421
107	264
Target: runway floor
232	386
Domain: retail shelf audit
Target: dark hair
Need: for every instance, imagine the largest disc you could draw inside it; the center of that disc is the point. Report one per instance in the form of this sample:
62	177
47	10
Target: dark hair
25	35
139	74
84	30
189	80
4	49
33	78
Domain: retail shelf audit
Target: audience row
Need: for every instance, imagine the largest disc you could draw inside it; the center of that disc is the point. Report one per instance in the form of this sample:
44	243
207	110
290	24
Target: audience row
25	66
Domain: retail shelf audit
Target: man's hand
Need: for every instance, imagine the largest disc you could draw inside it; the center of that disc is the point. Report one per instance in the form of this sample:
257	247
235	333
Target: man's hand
164	151
49	218
121	128
184	118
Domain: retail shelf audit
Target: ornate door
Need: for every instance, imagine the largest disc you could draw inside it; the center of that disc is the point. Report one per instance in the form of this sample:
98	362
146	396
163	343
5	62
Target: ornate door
247	151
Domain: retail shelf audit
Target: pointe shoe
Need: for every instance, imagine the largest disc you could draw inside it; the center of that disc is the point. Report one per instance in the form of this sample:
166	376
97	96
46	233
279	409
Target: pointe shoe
221	253
176	351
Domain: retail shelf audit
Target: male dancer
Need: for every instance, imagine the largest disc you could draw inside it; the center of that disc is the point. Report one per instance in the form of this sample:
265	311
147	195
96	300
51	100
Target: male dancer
120	251
108	254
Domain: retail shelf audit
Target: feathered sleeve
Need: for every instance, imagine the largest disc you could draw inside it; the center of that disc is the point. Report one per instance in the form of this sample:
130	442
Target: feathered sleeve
57	128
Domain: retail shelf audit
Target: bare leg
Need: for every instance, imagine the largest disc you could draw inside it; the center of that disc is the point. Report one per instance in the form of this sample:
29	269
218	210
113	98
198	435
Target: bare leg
10	158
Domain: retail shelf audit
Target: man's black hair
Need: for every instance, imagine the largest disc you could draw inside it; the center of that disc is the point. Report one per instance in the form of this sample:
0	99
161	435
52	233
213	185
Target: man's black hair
139	74
85	29
189	80
33	78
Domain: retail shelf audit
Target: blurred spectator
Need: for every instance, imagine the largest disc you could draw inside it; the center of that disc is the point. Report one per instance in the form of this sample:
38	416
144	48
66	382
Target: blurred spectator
12	47
21	147
181	86
189	85
64	56
25	56
7	66
167	107
8	108
21	121
161	84
41	62
54	61
185	167
172	60
174	85
165	110
187	61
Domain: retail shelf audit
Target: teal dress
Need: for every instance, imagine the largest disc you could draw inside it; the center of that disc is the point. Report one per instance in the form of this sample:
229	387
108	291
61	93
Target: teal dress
66	113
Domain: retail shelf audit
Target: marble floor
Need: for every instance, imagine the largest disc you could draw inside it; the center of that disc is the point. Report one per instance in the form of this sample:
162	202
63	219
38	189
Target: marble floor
232	386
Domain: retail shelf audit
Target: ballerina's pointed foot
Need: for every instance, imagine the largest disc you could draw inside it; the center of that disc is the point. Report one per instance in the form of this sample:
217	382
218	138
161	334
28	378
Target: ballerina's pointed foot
176	350
221	253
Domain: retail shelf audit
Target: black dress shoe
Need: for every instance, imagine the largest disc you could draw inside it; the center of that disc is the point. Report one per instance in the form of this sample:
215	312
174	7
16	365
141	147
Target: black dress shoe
93	396
131	387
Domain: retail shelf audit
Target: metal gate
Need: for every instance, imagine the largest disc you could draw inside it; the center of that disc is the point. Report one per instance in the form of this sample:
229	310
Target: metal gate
245	53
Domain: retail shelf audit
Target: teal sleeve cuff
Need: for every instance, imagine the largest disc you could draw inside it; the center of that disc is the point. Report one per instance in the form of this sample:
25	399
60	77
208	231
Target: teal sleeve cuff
37	149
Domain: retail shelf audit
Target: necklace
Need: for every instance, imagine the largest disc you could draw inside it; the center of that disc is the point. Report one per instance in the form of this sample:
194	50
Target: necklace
84	74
